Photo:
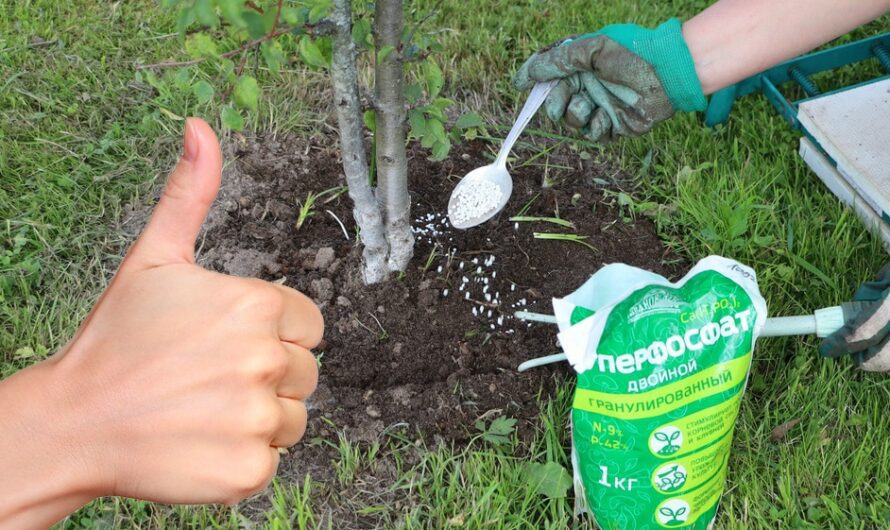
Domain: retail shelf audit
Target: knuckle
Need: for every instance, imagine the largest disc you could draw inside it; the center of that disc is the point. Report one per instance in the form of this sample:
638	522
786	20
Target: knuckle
259	468
277	363
314	326
309	365
264	418
299	421
261	300
266	363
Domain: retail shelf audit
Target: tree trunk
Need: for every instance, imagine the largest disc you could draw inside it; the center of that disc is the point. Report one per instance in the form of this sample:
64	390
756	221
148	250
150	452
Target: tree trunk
355	163
392	164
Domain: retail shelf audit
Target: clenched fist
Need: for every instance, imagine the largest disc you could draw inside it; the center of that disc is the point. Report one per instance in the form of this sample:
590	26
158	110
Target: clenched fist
180	384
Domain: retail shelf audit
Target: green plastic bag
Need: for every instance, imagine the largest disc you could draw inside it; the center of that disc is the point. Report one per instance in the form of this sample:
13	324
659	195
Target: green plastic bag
661	369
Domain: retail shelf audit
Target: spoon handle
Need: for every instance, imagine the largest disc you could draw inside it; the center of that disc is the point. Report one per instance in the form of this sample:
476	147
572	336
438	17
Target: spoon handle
535	98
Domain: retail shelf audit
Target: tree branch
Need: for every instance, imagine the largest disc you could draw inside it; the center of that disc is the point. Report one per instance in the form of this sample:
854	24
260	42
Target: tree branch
277	16
231	53
421	22
319	29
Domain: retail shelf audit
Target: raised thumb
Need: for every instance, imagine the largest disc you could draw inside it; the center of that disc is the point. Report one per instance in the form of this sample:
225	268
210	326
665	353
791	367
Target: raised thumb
169	237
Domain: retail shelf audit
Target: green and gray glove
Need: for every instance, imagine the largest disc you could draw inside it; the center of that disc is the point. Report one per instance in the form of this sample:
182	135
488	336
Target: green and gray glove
619	81
865	336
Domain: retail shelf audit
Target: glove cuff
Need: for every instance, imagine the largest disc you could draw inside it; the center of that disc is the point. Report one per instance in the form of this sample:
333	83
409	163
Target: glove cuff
665	49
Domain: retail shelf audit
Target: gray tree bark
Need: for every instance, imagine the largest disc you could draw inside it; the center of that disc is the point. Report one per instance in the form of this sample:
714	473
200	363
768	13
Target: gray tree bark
392	163
355	164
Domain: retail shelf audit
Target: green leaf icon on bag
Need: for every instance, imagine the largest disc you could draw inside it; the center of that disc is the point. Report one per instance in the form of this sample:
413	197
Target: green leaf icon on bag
673	512
670	439
674	515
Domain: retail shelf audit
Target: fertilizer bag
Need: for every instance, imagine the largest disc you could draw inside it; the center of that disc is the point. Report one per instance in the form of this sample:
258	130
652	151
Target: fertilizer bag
661	370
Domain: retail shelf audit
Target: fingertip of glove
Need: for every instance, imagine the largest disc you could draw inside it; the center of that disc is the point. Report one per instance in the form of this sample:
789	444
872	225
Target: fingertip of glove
832	349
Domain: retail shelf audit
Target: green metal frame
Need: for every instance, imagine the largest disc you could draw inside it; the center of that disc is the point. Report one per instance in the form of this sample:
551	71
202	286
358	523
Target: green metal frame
798	70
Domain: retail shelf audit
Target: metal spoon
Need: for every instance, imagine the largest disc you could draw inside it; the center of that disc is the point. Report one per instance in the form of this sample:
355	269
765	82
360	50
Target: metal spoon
496	174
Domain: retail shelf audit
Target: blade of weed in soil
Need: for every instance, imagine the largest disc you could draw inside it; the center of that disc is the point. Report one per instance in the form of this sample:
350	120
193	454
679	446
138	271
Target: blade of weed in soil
554	220
575	238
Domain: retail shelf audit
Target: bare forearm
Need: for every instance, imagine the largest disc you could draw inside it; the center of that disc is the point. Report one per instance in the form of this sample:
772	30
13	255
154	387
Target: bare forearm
43	472
734	39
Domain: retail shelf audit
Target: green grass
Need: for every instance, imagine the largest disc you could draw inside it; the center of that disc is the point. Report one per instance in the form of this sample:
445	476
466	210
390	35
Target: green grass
81	135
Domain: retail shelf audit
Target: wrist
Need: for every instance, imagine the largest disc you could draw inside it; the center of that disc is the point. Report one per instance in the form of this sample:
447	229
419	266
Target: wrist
666	49
50	466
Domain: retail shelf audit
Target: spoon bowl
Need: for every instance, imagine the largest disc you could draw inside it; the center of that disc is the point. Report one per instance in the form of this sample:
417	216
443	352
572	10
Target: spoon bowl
479	196
484	192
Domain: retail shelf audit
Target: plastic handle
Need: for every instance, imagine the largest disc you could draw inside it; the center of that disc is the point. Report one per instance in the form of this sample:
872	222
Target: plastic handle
785	326
822	323
535	99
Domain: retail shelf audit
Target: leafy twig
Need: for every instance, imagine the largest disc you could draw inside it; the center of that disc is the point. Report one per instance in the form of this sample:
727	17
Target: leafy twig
421	22
227	55
277	17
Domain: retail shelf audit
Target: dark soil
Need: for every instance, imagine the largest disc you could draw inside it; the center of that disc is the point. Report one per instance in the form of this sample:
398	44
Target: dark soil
411	354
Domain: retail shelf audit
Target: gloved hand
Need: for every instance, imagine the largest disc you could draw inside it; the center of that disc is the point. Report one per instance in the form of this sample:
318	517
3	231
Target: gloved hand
865	337
619	81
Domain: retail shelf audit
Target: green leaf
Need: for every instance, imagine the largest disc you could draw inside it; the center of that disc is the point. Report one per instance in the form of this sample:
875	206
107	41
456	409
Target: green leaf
361	33
413	93
550	480
247	92
231	118
203	91
418	123
319	10
273	54
186	18
468	120
183	79
498	432
383	53
294	16
200	45
625	200
406	32
435	112
443	103
434	79
311	53
502	425
428	140
231	11
227	68
440	150
205	13
435	132
764	241
370	119
269	18
256	24
25	352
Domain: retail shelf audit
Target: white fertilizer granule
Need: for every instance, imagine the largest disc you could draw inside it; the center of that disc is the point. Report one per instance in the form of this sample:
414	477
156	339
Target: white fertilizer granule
475	199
